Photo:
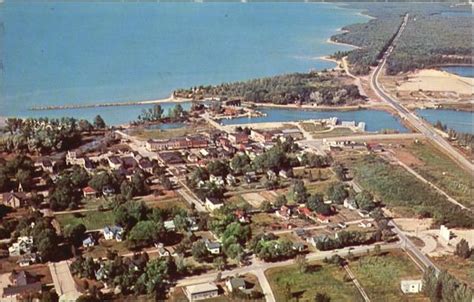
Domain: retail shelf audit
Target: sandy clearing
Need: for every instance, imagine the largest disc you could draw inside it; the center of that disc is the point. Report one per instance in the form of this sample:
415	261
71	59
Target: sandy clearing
254	199
436	80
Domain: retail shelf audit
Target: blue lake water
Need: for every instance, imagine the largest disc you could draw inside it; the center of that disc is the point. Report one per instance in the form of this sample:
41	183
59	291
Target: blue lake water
460	121
464	71
375	120
70	53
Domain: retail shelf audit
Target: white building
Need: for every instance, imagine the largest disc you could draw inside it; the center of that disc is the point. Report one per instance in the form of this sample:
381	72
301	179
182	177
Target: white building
444	233
411	286
201	291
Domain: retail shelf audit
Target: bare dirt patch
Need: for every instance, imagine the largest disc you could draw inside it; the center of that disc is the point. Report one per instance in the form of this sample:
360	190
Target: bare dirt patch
254	199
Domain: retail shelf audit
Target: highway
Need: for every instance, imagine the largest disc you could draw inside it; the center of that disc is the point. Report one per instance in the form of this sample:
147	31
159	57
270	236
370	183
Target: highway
417	123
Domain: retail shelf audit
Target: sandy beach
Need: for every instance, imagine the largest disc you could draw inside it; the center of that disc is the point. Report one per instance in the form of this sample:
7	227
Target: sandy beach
437	80
330	41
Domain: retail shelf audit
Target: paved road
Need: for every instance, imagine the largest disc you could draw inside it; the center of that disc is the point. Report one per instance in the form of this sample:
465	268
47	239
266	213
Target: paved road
426	129
364	137
64	283
265	285
409	246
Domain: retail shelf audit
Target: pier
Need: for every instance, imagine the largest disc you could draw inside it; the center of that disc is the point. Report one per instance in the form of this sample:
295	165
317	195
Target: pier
170	99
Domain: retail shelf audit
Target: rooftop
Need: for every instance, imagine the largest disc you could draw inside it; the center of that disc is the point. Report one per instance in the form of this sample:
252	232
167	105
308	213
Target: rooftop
200	288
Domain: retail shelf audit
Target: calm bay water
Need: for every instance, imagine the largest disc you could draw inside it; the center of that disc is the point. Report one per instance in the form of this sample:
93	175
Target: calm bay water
461	121
464	71
72	53
375	120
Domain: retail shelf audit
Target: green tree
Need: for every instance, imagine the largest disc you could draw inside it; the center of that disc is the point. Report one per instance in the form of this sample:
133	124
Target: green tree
25	178
365	200
75	233
99	122
280	201
219	263
314	201
337	193
218	168
299	191
462	249
199	251
145	233
240	163
155	278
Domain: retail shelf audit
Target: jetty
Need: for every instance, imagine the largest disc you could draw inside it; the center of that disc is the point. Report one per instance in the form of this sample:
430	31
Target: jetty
170	99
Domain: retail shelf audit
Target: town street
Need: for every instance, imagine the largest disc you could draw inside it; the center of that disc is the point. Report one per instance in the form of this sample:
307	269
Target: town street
258	266
64	283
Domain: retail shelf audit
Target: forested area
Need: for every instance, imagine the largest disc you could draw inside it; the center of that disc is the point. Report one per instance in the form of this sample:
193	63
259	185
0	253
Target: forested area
314	87
433	39
372	38
44	135
435	34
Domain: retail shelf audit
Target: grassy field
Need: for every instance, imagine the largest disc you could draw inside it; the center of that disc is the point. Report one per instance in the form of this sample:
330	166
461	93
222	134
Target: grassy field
444	173
313	127
146	134
404	193
320	278
92	220
100	250
332	133
380	276
94	203
167	203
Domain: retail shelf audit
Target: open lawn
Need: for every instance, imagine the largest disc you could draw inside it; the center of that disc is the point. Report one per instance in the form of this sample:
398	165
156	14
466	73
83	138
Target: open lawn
333	133
92	220
380	276
94	203
320	278
167	203
146	134
100	250
406	194
443	172
313	127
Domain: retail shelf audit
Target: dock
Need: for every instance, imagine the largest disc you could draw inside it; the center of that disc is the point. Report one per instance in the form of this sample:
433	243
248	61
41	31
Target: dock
170	99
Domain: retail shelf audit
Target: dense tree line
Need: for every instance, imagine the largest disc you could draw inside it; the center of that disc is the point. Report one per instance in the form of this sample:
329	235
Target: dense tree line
444	287
313	87
430	38
155	114
18	170
269	247
344	238
44	135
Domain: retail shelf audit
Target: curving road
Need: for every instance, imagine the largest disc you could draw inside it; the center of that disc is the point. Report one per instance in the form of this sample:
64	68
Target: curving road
426	129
